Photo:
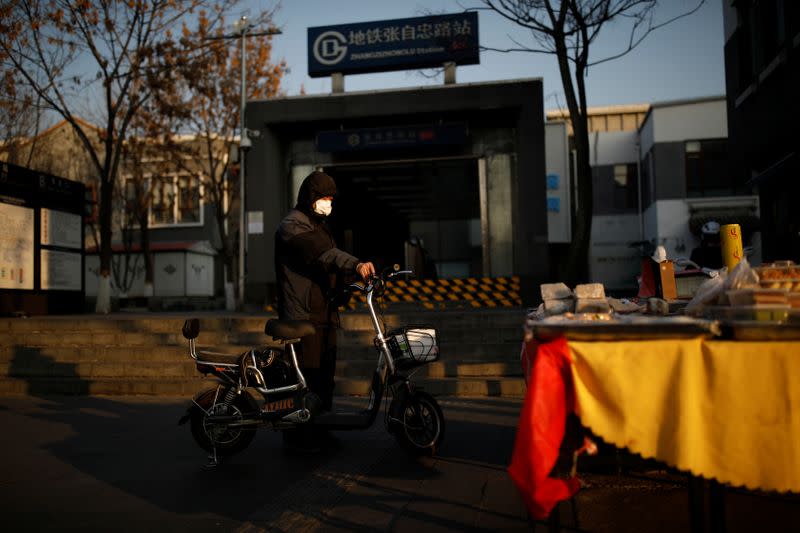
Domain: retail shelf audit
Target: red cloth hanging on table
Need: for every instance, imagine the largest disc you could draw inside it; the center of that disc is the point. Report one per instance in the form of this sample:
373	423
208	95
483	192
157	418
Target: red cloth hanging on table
549	399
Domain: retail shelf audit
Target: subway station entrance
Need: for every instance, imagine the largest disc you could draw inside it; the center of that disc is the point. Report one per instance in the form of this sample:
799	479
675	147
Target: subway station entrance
446	180
423	214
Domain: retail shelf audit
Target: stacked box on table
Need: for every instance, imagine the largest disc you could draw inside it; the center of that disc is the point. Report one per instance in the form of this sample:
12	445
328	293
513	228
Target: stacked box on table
558	298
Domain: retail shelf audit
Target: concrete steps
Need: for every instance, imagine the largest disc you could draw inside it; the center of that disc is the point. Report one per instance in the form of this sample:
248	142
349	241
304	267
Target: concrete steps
71	385
146	354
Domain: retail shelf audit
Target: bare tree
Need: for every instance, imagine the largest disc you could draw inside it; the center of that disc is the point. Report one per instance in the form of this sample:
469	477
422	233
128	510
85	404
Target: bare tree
113	53
20	116
144	164
206	106
567	29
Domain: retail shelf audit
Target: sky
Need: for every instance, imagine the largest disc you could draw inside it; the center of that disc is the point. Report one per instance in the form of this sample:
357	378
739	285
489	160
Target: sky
681	60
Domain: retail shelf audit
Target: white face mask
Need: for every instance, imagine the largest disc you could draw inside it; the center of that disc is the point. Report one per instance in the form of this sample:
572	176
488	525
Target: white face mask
323	207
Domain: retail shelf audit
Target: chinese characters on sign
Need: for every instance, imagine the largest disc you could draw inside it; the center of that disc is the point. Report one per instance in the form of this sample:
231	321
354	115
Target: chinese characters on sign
16	247
393	44
60	229
60	270
392	137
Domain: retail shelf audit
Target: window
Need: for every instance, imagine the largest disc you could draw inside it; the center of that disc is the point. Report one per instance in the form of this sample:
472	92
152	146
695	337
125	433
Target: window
90	206
175	200
625	187
707	172
762	34
188	199
162	206
615	189
792	15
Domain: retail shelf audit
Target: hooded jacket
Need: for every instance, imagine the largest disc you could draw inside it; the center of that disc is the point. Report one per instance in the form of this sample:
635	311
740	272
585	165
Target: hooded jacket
306	257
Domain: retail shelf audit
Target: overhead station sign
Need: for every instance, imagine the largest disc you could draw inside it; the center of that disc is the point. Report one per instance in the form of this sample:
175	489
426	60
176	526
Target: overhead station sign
387	138
399	44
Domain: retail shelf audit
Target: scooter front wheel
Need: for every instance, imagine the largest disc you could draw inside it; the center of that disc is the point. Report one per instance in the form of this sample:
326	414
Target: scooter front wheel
417	423
211	437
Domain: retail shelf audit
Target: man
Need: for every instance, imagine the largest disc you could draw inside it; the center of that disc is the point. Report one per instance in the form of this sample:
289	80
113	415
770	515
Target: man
709	253
307	263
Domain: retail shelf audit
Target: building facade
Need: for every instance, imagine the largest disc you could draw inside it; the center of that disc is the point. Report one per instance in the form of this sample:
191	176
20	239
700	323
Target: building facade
183	231
659	173
762	74
459	167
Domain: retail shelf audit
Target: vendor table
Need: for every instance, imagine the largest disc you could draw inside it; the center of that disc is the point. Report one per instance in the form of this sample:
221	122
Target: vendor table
724	411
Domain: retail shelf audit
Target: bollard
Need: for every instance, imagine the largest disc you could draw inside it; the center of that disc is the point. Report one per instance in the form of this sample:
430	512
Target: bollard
732	252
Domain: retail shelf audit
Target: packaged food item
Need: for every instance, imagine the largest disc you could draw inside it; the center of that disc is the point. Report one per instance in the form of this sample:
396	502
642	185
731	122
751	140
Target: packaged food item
741	276
559	306
757	296
707	294
750	313
555	291
590	291
591	305
779	275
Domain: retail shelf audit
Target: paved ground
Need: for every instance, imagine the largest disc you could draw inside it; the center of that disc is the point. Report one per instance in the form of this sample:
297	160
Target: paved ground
122	464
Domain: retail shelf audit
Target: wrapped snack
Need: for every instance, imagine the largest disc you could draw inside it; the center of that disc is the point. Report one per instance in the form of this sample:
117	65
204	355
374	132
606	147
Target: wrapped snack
590	291
591	305
708	293
557	307
741	277
555	291
624	305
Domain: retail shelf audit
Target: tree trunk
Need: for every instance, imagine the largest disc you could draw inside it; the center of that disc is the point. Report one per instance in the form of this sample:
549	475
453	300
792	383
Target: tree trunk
149	273
103	303
231	271
578	260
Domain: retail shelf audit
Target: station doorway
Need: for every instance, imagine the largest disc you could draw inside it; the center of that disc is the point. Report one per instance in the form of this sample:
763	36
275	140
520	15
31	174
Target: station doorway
420	214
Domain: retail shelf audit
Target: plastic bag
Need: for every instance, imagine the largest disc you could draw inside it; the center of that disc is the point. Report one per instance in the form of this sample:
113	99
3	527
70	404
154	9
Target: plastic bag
742	276
708	293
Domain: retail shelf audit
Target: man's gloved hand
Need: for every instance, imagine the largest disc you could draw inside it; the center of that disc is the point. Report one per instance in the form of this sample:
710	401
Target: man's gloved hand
365	270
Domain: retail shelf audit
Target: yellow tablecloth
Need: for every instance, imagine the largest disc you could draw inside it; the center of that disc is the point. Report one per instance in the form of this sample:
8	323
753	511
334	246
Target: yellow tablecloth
727	410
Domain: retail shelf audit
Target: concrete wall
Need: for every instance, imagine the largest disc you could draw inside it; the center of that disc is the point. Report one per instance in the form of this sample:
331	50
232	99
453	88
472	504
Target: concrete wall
611	260
559	204
730	19
612	148
667	224
498	184
682	121
669	163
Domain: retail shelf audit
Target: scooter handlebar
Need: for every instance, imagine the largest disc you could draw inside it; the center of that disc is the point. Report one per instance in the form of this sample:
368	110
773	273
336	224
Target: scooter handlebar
375	280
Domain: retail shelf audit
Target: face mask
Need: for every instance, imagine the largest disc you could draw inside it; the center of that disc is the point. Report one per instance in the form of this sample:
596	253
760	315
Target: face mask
323	207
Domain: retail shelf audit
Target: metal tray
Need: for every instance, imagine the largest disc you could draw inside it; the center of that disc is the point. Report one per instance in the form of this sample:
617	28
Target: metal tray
755	330
653	328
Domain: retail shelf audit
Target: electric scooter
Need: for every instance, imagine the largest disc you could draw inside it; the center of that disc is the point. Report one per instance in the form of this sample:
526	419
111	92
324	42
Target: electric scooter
265	387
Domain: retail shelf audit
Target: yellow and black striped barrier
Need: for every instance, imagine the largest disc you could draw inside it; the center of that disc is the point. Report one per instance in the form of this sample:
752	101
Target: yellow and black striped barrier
483	292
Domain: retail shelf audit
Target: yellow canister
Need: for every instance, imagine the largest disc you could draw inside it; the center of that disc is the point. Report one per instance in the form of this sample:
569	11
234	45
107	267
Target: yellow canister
732	251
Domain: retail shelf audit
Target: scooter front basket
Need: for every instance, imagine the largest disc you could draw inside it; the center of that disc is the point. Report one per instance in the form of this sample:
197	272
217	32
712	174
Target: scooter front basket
413	346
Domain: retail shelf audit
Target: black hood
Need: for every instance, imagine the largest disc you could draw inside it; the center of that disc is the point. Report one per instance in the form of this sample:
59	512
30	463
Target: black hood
316	185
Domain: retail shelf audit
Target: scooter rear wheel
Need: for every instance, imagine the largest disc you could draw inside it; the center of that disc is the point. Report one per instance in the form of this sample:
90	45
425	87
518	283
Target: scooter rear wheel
227	441
419	425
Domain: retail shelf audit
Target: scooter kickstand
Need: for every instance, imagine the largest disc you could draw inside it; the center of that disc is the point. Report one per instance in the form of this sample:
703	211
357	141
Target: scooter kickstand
213	461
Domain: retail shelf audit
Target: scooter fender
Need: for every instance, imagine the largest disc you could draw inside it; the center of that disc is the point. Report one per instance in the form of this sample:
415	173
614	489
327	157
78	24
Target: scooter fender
401	391
205	399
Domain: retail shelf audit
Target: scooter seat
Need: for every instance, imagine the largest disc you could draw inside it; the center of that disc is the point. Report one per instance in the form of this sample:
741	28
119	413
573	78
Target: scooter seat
288	329
204	356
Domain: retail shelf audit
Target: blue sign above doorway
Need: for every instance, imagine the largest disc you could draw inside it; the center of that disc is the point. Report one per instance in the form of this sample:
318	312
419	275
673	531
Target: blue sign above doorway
392	137
398	44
